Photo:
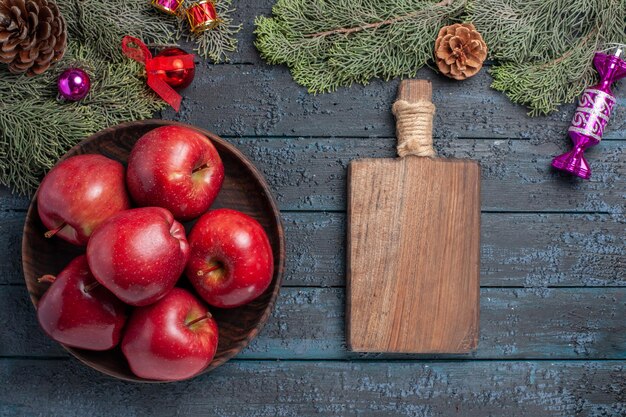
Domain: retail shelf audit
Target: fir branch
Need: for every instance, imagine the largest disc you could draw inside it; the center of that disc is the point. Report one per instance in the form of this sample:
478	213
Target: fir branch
36	128
103	25
373	25
545	49
328	44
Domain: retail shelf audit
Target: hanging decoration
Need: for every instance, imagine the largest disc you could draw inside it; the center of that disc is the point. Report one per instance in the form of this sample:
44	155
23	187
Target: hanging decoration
157	68
593	113
168	6
202	16
179	72
74	84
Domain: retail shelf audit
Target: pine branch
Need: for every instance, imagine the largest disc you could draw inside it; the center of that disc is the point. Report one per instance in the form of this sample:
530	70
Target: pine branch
36	128
545	49
328	44
374	25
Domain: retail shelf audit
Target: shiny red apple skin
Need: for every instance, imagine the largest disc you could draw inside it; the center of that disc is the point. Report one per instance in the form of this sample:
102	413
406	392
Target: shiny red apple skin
238	246
76	315
176	168
81	192
159	344
138	254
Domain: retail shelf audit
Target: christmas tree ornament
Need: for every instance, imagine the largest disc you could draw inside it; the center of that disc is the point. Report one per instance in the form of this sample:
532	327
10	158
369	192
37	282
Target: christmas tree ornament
592	114
73	84
33	35
460	51
168	6
202	16
158	67
177	73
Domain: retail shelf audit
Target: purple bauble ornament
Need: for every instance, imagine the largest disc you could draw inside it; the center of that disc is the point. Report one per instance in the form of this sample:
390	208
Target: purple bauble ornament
73	84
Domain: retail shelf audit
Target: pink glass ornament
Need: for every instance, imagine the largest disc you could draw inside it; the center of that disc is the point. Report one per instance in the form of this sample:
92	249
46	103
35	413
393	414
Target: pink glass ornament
592	114
73	84
168	6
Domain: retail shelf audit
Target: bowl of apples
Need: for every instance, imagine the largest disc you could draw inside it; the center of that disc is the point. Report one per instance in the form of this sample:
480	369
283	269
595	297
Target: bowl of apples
153	251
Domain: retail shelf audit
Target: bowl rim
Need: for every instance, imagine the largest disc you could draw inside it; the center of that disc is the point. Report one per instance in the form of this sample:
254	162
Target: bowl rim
279	264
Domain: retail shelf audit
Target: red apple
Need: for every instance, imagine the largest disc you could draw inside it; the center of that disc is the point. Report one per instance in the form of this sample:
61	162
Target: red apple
231	260
78	194
176	168
77	311
138	254
172	339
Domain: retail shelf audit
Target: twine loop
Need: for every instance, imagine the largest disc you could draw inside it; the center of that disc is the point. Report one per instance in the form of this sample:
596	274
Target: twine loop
414	127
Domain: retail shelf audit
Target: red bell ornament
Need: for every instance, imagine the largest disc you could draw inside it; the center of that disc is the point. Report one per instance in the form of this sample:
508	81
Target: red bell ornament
202	16
177	73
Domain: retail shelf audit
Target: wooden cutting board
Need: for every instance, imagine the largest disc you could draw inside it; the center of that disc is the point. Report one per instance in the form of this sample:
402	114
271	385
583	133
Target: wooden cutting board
413	243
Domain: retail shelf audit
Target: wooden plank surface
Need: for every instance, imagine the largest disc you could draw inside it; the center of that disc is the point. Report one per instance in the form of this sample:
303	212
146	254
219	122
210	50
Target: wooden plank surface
260	100
308	323
374	389
518	249
413	255
540	229
310	174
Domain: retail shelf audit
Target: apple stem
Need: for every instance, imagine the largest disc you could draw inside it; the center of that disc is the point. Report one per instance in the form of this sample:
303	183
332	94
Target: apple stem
211	269
54	231
91	286
200	168
47	278
199	319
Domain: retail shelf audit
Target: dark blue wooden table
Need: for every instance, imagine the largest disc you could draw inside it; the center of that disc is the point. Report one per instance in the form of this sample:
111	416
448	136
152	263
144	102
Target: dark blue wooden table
553	275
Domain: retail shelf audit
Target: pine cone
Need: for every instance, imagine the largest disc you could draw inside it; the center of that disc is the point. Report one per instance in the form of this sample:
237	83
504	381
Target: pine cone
33	35
460	51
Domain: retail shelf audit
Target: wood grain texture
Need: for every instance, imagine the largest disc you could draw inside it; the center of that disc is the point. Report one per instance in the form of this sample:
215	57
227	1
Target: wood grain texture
308	324
310	174
537	252
413	254
244	189
350	389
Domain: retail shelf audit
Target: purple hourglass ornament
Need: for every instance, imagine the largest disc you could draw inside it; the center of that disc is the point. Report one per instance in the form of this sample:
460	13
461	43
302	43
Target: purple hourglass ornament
592	114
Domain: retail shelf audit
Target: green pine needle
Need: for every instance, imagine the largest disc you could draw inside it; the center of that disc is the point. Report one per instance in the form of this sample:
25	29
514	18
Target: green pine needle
543	48
36	128
333	43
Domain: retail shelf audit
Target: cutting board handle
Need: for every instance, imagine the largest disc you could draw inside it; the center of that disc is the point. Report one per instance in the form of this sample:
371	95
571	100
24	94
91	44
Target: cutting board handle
414	113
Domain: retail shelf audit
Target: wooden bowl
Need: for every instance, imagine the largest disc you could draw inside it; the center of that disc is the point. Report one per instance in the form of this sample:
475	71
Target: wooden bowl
244	189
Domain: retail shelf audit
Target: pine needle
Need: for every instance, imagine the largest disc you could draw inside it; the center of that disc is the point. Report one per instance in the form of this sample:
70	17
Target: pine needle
543	48
333	43
36	127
